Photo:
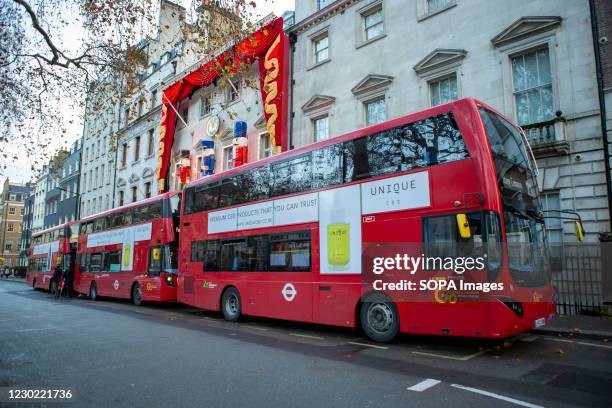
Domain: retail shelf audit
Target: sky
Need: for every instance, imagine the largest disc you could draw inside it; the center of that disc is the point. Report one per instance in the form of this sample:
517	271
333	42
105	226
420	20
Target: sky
19	170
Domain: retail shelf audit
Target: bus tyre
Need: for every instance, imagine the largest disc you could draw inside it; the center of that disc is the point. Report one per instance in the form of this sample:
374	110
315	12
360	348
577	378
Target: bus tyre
231	305
136	294
93	291
34	284
379	319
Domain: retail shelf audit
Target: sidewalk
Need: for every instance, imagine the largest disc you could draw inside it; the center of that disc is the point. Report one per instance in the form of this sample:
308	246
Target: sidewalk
585	327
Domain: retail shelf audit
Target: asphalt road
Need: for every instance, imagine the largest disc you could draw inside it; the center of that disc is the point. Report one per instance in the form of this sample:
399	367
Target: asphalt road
111	353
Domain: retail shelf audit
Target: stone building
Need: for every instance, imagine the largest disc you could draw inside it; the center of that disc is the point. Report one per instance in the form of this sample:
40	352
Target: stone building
138	133
359	62
98	152
26	228
11	213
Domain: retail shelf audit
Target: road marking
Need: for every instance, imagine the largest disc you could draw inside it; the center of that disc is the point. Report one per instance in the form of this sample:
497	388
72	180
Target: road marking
307	336
356	343
500	397
423	385
37	329
248	326
464	358
582	343
529	338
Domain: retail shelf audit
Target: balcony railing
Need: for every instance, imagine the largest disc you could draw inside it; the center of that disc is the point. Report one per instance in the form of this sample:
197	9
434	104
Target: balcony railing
547	137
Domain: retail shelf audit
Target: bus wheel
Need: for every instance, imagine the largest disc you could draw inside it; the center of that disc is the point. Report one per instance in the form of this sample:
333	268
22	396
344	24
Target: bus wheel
379	319
137	294
230	305
34	284
93	291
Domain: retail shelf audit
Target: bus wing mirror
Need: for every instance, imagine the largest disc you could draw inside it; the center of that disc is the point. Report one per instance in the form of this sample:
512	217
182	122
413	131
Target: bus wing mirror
464	226
579	231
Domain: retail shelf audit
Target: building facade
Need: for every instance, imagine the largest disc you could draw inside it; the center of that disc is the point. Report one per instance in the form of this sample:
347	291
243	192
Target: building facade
138	134
68	186
26	228
532	61
12	211
98	147
39	191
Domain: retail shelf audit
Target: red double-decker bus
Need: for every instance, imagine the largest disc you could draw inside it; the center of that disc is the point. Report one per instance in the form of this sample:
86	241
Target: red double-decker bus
131	251
46	248
295	236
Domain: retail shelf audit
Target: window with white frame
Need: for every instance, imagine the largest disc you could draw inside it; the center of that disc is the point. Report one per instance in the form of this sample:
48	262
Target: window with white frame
375	111
320	46
12	210
228	157
148	189
443	90
184	113
265	148
321	4
373	23
551	204
320	128
233	91
437	5
10	227
206	104
532	86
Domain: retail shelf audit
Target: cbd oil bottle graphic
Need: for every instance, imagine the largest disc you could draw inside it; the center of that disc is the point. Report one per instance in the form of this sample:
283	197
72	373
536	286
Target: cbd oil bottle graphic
126	255
338	240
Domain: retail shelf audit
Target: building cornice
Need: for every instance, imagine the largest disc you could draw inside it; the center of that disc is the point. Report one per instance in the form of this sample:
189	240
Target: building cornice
320	16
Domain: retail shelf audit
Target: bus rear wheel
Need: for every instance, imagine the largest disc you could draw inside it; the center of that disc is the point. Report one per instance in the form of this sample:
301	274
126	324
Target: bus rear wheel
137	294
379	319
34	284
93	291
231	305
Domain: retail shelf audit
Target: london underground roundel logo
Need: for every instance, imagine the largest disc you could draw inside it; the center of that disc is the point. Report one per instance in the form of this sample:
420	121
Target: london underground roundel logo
289	292
116	284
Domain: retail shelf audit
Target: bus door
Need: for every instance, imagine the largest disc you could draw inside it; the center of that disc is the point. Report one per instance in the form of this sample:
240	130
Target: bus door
151	283
291	283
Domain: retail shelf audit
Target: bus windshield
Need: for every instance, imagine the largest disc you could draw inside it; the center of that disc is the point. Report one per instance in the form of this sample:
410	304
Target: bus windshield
522	215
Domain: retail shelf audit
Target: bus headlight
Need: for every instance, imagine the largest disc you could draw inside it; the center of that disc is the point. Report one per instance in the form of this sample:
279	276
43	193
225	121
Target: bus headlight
170	281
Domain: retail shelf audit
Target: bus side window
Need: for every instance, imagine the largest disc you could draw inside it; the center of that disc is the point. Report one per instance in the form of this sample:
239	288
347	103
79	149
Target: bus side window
141	214
290	251
327	166
291	176
155	211
230	193
198	249
113	261
206	198
155	260
255	184
211	256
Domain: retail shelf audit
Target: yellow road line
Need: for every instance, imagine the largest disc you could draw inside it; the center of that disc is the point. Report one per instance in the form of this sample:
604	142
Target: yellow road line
456	358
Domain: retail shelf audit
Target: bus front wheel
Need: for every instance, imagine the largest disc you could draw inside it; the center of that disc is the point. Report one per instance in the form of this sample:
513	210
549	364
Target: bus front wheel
93	291
230	305
379	319
137	294
34	284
